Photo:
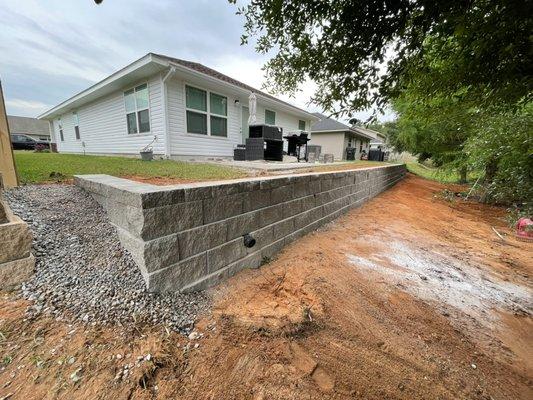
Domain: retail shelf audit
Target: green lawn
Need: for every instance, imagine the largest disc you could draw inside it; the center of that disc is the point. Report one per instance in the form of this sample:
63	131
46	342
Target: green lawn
435	174
44	167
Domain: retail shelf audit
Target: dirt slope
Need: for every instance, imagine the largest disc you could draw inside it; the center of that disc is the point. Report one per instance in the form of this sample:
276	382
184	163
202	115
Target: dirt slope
408	297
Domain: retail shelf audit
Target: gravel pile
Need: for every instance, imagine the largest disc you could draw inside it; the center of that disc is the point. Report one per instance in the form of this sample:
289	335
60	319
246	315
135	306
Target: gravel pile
82	272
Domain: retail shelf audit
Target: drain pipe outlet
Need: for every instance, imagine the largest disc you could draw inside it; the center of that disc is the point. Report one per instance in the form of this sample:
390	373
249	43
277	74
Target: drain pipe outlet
249	240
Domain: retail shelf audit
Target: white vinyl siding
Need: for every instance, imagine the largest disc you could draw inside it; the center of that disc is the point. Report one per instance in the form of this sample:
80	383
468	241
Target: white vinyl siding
103	126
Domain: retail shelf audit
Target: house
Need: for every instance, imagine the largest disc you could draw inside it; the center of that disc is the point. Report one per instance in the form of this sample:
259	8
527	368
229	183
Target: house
379	142
335	137
188	111
37	129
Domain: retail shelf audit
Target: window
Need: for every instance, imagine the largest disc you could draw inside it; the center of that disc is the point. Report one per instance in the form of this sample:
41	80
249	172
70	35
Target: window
203	117
60	127
76	125
301	125
137	114
270	117
218	106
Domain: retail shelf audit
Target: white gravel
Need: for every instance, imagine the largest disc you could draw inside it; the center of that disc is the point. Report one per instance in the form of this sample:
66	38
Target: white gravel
82	272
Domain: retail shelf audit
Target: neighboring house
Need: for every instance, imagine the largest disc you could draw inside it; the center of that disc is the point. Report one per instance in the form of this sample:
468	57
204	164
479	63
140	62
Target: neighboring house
335	137
33	127
380	141
192	110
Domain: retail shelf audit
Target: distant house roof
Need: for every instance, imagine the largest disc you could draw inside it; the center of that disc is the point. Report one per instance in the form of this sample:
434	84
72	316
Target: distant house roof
27	125
327	124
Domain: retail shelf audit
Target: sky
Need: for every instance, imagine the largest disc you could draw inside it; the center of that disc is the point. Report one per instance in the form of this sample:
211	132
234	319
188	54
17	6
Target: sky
53	49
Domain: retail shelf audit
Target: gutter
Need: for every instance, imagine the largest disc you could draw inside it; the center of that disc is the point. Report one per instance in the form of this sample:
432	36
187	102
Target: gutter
171	71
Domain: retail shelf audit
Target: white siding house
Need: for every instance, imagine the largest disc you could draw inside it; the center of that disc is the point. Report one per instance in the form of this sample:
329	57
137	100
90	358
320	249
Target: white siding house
147	102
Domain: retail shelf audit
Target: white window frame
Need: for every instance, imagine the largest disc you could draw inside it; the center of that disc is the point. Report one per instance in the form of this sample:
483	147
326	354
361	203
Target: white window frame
305	124
137	110
206	113
60	129
272	111
76	123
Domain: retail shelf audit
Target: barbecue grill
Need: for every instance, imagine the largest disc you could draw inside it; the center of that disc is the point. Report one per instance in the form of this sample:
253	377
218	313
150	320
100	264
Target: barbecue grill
295	145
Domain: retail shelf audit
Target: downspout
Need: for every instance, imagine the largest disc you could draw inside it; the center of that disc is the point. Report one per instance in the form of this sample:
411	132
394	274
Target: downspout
170	72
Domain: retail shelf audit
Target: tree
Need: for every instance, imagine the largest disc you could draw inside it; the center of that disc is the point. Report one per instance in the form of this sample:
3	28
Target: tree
360	53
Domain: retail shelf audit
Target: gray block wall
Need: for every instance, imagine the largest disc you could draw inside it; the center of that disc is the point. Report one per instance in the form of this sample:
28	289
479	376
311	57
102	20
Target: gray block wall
190	237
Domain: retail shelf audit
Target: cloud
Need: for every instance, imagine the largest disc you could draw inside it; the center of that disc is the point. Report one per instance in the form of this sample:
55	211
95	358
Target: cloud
25	108
53	49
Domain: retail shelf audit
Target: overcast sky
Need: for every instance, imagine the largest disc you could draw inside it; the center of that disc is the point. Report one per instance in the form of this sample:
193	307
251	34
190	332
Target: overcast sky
52	49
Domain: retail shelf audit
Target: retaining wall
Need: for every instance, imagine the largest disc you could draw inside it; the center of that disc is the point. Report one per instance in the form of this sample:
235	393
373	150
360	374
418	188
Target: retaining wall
189	237
16	261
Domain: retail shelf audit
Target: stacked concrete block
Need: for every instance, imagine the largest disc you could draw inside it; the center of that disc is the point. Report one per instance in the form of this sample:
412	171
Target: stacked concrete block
16	261
189	237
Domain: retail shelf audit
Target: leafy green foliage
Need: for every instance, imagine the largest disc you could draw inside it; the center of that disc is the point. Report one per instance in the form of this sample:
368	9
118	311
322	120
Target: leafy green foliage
361	53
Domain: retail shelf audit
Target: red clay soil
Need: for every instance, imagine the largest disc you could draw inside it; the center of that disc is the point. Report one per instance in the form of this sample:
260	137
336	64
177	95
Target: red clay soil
408	297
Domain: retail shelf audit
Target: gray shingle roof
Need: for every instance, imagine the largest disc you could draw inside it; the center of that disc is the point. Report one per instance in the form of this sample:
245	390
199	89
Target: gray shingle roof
219	75
27	125
327	124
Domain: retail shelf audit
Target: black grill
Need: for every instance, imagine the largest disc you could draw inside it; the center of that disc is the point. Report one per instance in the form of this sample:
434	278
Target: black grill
266	132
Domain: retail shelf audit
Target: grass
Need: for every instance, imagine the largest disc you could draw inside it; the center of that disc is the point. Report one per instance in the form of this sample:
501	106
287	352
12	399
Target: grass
435	174
45	167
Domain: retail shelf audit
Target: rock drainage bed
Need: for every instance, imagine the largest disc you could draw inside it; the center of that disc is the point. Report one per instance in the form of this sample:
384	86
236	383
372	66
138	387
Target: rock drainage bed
82	272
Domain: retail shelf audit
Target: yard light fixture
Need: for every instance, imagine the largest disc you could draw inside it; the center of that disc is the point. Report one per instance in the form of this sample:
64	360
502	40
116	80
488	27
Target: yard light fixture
237	103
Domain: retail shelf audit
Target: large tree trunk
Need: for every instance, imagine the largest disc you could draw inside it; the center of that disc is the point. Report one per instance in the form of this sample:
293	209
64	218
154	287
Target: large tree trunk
490	172
462	175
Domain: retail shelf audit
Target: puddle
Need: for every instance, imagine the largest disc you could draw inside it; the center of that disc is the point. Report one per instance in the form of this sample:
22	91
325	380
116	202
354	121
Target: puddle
433	276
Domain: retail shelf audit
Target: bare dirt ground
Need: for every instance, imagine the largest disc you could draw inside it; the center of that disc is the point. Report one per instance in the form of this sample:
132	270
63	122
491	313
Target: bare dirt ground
408	297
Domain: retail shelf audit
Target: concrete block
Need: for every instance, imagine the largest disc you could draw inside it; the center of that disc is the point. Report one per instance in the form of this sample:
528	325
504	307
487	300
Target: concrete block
177	276
13	273
15	240
162	198
263	237
162	221
282	194
293	207
308	202
255	200
216	209
272	250
126	217
202	238
283	228
302	188
326	183
225	254
307	217
274	182
241	224
271	214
